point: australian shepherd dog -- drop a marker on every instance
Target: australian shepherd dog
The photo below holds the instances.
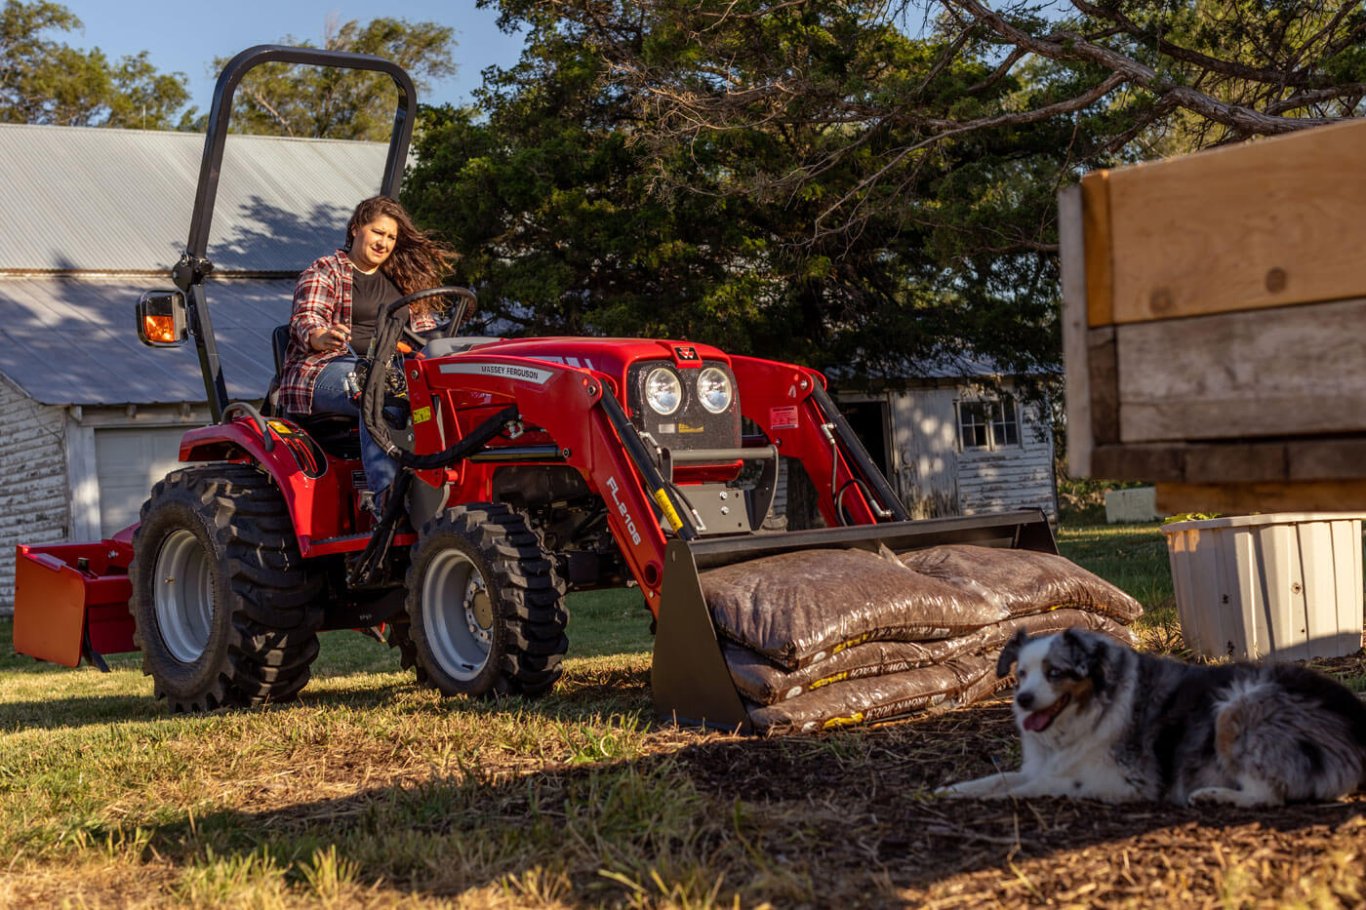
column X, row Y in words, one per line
column 1099, row 720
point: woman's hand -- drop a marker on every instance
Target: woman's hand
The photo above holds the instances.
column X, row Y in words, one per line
column 334, row 337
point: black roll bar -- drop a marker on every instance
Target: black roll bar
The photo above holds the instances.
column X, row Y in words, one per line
column 189, row 273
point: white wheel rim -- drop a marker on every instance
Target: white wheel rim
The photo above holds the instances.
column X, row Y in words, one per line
column 457, row 615
column 182, row 596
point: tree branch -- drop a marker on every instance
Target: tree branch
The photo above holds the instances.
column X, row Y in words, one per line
column 1068, row 46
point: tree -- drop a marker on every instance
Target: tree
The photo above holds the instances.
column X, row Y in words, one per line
column 865, row 185
column 321, row 102
column 1149, row 78
column 580, row 199
column 44, row 81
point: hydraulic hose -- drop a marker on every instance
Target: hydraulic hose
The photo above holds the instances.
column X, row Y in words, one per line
column 387, row 334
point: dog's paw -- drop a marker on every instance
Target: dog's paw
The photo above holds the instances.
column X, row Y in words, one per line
column 980, row 788
column 1231, row 796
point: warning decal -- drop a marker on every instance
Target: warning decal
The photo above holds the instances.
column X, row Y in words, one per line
column 784, row 418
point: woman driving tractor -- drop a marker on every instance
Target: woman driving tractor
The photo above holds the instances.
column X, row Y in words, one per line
column 337, row 304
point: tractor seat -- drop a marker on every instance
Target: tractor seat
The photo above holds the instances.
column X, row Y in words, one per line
column 338, row 434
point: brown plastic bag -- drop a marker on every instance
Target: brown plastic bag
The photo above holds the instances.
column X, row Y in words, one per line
column 764, row 683
column 1023, row 581
column 798, row 608
column 935, row 688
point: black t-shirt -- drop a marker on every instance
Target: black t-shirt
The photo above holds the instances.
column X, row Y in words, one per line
column 369, row 295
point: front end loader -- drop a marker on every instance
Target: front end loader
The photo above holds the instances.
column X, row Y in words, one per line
column 532, row 468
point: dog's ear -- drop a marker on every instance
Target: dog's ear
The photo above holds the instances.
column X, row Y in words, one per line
column 1087, row 652
column 1076, row 642
column 1011, row 653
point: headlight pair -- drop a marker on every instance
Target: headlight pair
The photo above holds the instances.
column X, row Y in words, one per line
column 664, row 390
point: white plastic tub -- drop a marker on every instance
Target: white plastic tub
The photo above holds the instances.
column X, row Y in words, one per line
column 1286, row 585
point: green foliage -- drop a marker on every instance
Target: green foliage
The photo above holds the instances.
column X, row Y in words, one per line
column 1190, row 516
column 822, row 180
column 581, row 209
column 46, row 82
column 310, row 101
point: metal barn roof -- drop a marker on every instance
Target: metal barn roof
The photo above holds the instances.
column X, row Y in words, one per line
column 110, row 200
column 68, row 340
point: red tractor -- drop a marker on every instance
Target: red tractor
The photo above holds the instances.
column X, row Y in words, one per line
column 532, row 467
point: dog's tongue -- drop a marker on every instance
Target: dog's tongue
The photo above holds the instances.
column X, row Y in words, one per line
column 1039, row 720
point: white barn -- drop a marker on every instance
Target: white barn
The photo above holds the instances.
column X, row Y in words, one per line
column 959, row 441
column 91, row 418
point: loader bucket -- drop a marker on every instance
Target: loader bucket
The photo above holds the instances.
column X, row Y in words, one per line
column 71, row 600
column 690, row 680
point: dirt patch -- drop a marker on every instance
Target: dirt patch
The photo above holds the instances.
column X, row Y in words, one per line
column 921, row 851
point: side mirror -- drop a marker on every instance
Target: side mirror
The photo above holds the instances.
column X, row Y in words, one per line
column 161, row 319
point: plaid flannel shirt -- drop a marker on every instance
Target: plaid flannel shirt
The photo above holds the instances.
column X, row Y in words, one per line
column 322, row 297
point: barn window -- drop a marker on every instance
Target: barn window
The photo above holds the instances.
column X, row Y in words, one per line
column 1005, row 422
column 974, row 425
column 989, row 424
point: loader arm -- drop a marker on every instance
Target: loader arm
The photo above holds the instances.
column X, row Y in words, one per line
column 792, row 407
column 574, row 407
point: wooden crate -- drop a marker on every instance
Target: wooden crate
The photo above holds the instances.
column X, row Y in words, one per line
column 1214, row 324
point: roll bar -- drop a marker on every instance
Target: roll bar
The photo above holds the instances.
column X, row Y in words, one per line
column 189, row 273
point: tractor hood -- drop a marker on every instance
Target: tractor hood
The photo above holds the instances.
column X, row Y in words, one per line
column 612, row 356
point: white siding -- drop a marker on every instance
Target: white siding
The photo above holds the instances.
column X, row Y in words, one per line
column 935, row 477
column 925, row 436
column 129, row 460
column 33, row 498
column 1010, row 477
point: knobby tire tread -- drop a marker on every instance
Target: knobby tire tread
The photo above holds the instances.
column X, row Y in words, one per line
column 533, row 614
column 274, row 611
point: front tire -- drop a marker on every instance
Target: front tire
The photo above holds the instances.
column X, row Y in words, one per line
column 485, row 605
column 225, row 613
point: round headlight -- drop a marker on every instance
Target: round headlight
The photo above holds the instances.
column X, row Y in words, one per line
column 663, row 391
column 714, row 390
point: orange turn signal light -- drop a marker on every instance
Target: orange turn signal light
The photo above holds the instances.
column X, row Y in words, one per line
column 160, row 328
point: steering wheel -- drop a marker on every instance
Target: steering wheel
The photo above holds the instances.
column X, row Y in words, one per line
column 462, row 306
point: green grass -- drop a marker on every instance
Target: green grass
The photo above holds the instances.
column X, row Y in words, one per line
column 1132, row 557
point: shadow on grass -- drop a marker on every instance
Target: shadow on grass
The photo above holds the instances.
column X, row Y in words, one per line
column 831, row 820
column 588, row 691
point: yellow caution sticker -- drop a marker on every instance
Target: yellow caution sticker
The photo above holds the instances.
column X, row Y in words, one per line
column 847, row 721
column 857, row 640
column 422, row 415
column 667, row 507
column 282, row 428
column 838, row 677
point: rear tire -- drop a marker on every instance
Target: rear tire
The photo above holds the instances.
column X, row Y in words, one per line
column 226, row 615
column 486, row 613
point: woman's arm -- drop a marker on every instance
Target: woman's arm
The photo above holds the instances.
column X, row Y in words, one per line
column 313, row 322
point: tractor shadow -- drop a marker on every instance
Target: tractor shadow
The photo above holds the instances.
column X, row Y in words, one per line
column 586, row 693
column 836, row 820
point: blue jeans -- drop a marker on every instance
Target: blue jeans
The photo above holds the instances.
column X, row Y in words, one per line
column 331, row 397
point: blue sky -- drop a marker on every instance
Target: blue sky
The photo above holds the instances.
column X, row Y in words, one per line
column 186, row 35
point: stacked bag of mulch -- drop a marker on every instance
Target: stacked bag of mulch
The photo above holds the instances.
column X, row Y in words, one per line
column 826, row 638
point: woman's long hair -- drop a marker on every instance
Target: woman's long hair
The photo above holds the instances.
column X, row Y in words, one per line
column 418, row 261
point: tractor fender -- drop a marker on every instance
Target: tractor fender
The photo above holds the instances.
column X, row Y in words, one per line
column 314, row 491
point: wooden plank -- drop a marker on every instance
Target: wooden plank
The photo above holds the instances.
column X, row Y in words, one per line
column 1263, row 373
column 1102, row 361
column 1263, row 224
column 1274, row 461
column 1307, row 496
column 1078, row 396
column 1145, row 463
column 1326, row 459
column 1098, row 248
column 1249, row 463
